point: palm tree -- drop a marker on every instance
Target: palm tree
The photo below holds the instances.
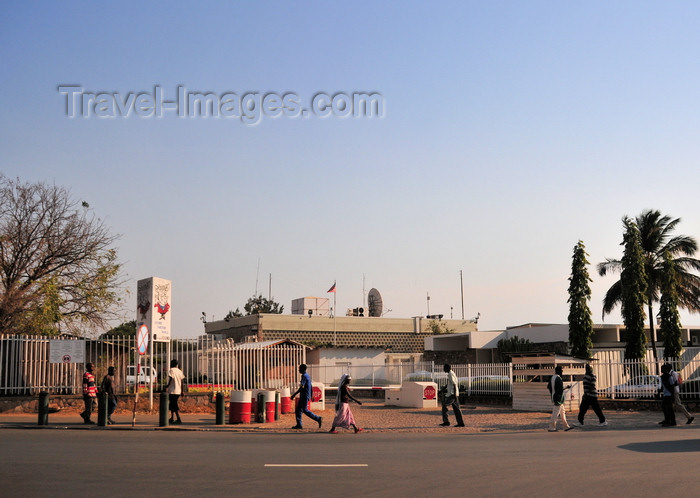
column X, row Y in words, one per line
column 656, row 238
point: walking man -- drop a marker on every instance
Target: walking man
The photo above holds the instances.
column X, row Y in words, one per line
column 89, row 393
column 667, row 388
column 304, row 393
column 590, row 398
column 556, row 389
column 175, row 388
column 677, row 405
column 108, row 387
column 450, row 397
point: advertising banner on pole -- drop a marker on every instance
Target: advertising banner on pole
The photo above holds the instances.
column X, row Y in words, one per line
column 153, row 298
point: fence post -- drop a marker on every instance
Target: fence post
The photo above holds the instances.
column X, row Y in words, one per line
column 612, row 382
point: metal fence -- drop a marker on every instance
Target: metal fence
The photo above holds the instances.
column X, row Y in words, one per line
column 474, row 379
column 208, row 364
column 641, row 379
column 212, row 365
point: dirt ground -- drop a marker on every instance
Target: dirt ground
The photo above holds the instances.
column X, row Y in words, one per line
column 374, row 416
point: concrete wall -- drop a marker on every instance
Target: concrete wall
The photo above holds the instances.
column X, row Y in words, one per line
column 399, row 335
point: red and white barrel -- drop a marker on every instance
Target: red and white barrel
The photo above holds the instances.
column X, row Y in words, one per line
column 269, row 400
column 239, row 410
column 286, row 400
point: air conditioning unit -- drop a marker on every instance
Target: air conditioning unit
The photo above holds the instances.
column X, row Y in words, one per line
column 695, row 340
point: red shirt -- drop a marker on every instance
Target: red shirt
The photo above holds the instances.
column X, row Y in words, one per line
column 89, row 386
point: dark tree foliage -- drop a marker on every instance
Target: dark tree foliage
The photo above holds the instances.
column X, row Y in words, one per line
column 126, row 329
column 580, row 320
column 633, row 283
column 670, row 326
column 513, row 344
column 656, row 236
column 259, row 304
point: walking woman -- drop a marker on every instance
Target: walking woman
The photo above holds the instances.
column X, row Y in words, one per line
column 343, row 415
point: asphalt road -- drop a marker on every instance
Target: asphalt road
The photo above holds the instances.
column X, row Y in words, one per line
column 655, row 462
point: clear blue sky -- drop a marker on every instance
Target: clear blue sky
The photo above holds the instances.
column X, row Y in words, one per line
column 510, row 131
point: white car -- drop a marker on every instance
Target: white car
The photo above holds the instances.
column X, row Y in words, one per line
column 143, row 376
column 642, row 386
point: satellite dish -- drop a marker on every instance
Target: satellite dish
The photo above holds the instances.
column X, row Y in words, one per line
column 374, row 302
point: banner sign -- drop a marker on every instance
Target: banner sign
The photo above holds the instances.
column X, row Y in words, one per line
column 62, row 351
column 153, row 298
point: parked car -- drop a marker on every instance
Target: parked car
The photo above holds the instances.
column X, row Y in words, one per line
column 690, row 388
column 642, row 386
column 143, row 376
column 425, row 376
column 490, row 383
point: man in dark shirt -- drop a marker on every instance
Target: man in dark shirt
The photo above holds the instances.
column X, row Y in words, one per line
column 590, row 398
column 108, row 387
column 304, row 393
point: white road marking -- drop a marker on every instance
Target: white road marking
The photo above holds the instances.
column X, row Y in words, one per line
column 316, row 465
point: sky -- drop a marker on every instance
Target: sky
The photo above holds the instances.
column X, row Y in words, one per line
column 508, row 132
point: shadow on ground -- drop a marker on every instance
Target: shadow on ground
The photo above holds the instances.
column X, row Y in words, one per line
column 683, row 446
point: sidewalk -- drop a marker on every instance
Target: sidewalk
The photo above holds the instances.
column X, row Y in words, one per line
column 372, row 416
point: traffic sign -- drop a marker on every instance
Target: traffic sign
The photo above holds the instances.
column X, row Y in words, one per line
column 142, row 339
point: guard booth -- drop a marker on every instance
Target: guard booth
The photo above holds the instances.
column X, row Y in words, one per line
column 531, row 374
column 413, row 395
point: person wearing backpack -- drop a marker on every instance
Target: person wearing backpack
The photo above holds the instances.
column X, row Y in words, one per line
column 677, row 405
column 667, row 387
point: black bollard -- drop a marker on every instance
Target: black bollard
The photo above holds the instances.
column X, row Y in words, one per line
column 220, row 409
column 163, row 413
column 260, row 415
column 43, row 408
column 102, row 409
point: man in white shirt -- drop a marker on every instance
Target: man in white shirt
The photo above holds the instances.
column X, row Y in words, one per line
column 451, row 398
column 174, row 388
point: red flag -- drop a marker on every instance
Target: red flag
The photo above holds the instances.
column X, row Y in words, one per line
column 332, row 289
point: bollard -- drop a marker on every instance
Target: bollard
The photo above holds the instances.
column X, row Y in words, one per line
column 102, row 409
column 260, row 411
column 43, row 408
column 220, row 409
column 277, row 405
column 163, row 410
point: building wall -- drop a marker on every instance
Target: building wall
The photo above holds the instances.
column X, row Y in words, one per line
column 398, row 335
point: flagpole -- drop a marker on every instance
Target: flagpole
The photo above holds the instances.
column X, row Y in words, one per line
column 335, row 313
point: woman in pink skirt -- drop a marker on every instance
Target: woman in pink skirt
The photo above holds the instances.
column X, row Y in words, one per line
column 343, row 415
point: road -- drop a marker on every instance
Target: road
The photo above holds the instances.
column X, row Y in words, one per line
column 655, row 462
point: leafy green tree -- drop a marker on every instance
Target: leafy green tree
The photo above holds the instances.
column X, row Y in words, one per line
column 233, row 314
column 670, row 325
column 633, row 282
column 513, row 344
column 656, row 238
column 580, row 321
column 58, row 271
column 437, row 327
column 259, row 304
column 126, row 329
